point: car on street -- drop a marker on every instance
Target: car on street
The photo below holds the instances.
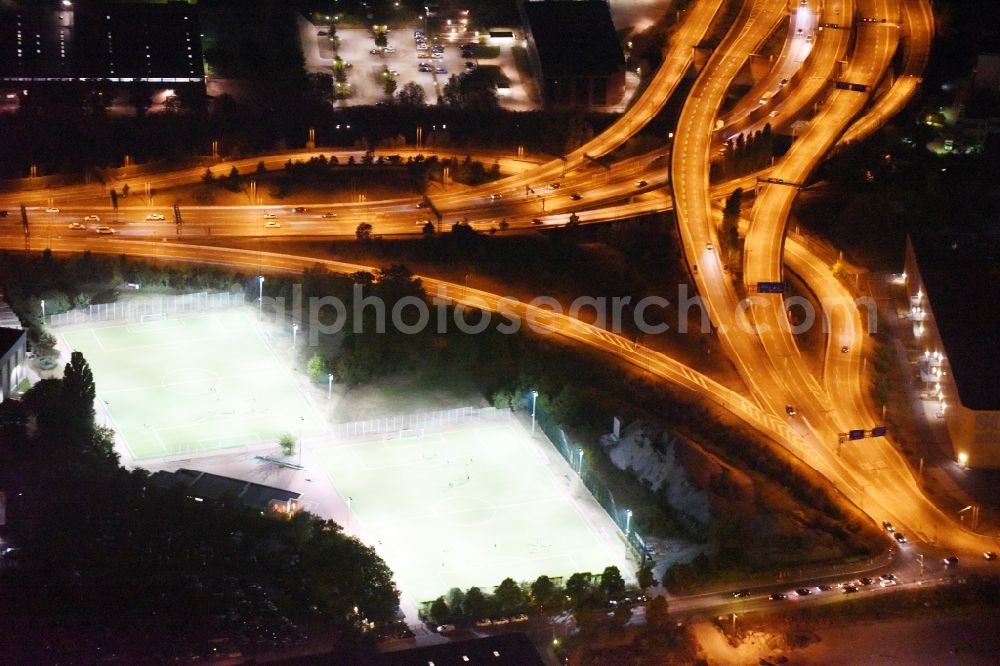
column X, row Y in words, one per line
column 777, row 596
column 329, row 215
column 825, row 587
column 554, row 186
column 950, row 561
column 51, row 209
column 866, row 581
column 741, row 594
column 641, row 183
column 300, row 209
column 989, row 555
column 269, row 216
column 105, row 230
column 91, row 218
column 888, row 526
column 496, row 196
column 790, row 410
column 887, row 582
column 803, row 591
column 271, row 224
column 850, row 589
column 888, row 576
column 900, row 537
column 155, row 217
column 576, row 196
column 844, row 349
column 708, row 246
column 76, row 225
column 445, row 628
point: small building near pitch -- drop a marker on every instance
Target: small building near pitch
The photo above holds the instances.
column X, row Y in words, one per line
column 953, row 287
column 205, row 486
column 574, row 51
column 13, row 351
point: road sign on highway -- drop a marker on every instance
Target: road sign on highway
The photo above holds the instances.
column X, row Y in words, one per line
column 771, row 287
column 878, row 431
column 856, row 434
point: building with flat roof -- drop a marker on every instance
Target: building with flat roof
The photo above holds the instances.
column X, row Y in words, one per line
column 202, row 486
column 953, row 285
column 13, row 351
column 574, row 51
column 92, row 40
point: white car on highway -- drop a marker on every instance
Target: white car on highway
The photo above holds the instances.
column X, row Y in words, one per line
column 51, row 209
column 271, row 224
column 155, row 217
column 105, row 230
column 76, row 225
column 269, row 216
column 91, row 218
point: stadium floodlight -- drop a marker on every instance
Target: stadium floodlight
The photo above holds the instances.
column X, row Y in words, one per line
column 295, row 334
column 628, row 521
column 260, row 306
column 43, row 310
column 329, row 386
column 534, row 398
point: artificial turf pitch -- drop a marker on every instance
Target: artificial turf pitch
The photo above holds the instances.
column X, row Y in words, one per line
column 191, row 384
column 468, row 506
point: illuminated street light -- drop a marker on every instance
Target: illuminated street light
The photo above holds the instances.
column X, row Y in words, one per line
column 260, row 304
column 329, row 386
column 534, row 398
column 295, row 334
column 963, row 458
column 628, row 522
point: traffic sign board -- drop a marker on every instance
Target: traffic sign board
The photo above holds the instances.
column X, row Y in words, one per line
column 771, row 287
column 856, row 434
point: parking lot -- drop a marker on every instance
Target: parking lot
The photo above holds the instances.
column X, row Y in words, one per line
column 401, row 57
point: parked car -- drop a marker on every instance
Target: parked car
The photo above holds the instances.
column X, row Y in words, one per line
column 155, row 217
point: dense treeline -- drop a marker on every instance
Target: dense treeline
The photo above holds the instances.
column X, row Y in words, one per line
column 104, row 563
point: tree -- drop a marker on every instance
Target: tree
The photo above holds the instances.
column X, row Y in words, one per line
column 543, row 591
column 475, row 606
column 411, row 94
column 364, row 232
column 207, row 177
column 389, row 86
column 428, row 228
column 439, row 611
column 612, row 584
column 578, row 589
column 261, row 168
column 381, row 39
column 114, row 199
column 645, row 577
column 78, row 390
column 318, row 368
column 509, row 597
column 287, row 443
column 473, row 90
column 657, row 613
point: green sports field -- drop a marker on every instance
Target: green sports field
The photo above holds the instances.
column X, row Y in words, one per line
column 193, row 383
column 469, row 506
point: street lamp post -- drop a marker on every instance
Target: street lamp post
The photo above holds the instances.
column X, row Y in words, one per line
column 534, row 398
column 260, row 299
column 329, row 386
column 628, row 522
column 43, row 310
column 295, row 334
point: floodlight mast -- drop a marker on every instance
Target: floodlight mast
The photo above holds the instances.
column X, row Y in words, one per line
column 534, row 398
column 260, row 300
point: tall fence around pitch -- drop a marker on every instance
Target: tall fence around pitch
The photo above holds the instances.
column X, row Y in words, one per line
column 139, row 308
column 447, row 417
column 598, row 489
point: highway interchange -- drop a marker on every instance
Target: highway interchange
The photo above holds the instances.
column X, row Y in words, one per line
column 851, row 41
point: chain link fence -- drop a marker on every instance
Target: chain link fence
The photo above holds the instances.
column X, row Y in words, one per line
column 146, row 308
column 400, row 422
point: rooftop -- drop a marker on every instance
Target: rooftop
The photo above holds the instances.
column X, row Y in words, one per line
column 214, row 487
column 961, row 273
column 9, row 338
column 574, row 37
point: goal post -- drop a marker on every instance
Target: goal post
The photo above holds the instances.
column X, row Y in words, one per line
column 156, row 316
column 405, row 433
